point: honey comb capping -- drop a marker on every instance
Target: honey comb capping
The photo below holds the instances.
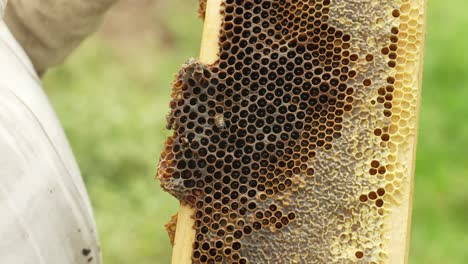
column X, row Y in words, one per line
column 297, row 144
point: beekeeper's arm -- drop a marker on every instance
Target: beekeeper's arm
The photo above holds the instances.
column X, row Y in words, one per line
column 45, row 213
column 48, row 30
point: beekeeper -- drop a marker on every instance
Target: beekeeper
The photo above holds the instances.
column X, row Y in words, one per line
column 45, row 213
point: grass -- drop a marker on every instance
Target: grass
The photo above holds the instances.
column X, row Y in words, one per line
column 113, row 107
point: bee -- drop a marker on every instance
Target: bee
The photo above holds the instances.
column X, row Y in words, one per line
column 219, row 121
column 169, row 122
column 175, row 187
column 184, row 141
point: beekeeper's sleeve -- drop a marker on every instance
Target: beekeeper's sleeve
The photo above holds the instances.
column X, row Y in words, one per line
column 45, row 212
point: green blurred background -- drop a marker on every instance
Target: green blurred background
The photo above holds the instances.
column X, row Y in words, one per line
column 112, row 96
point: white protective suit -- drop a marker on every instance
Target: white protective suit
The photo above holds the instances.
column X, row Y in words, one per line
column 45, row 213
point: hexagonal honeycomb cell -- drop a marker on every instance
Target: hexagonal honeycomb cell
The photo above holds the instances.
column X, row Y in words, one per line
column 297, row 144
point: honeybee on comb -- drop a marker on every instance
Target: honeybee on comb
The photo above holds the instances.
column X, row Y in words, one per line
column 219, row 121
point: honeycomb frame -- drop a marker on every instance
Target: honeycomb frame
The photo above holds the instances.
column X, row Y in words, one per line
column 297, row 144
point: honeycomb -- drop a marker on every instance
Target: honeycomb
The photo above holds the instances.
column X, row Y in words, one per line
column 201, row 8
column 297, row 144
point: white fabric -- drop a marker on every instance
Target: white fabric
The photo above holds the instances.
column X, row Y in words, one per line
column 45, row 213
column 49, row 30
column 2, row 7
